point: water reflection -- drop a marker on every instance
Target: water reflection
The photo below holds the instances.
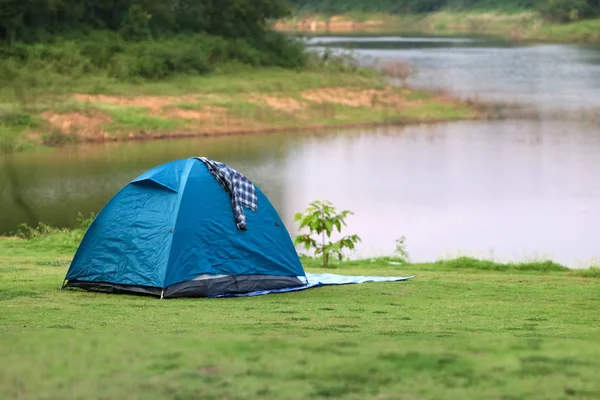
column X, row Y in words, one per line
column 513, row 189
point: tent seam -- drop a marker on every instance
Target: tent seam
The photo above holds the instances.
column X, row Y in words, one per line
column 182, row 185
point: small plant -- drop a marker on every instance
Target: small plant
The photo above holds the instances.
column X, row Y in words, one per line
column 85, row 222
column 401, row 251
column 321, row 218
column 25, row 231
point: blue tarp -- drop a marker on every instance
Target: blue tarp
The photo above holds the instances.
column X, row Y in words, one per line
column 316, row 280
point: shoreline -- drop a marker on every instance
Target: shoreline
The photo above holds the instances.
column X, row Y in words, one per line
column 267, row 131
column 259, row 102
column 44, row 239
column 458, row 263
column 523, row 27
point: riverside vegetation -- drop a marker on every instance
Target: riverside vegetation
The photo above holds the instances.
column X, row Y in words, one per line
column 119, row 70
column 534, row 20
column 461, row 328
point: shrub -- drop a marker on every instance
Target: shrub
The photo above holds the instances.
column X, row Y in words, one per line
column 84, row 222
column 136, row 25
column 565, row 10
column 58, row 138
column 16, row 119
column 25, row 231
column 473, row 263
column 401, row 251
column 28, row 232
column 64, row 57
column 321, row 218
column 592, row 272
column 107, row 53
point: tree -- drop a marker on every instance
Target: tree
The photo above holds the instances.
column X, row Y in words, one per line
column 11, row 18
column 32, row 20
column 136, row 25
column 566, row 10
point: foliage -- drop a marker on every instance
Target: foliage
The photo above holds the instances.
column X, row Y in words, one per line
column 84, row 222
column 322, row 219
column 106, row 53
column 13, row 125
column 25, row 231
column 554, row 10
column 401, row 252
column 131, row 39
column 567, row 10
column 41, row 19
column 136, row 24
column 472, row 263
column 16, row 119
column 587, row 31
column 406, row 6
column 592, row 272
column 57, row 138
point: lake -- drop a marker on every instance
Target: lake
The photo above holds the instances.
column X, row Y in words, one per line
column 510, row 190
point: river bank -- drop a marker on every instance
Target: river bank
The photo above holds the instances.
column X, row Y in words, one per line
column 523, row 26
column 450, row 332
column 252, row 101
column 445, row 178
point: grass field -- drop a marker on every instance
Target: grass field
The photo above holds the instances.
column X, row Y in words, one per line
column 459, row 329
column 247, row 101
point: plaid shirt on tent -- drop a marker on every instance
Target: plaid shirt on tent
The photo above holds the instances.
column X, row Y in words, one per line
column 240, row 189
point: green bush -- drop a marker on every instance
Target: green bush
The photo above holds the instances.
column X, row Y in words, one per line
column 28, row 232
column 25, row 231
column 565, row 10
column 84, row 222
column 107, row 53
column 37, row 21
column 136, row 25
column 16, row 119
column 406, row 6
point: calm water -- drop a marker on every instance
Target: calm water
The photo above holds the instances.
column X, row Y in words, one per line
column 549, row 76
column 511, row 190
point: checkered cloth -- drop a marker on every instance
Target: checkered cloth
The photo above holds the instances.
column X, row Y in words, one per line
column 240, row 189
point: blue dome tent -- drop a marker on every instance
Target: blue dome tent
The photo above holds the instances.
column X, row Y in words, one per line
column 174, row 232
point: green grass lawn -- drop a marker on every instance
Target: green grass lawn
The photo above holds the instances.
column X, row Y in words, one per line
column 454, row 333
